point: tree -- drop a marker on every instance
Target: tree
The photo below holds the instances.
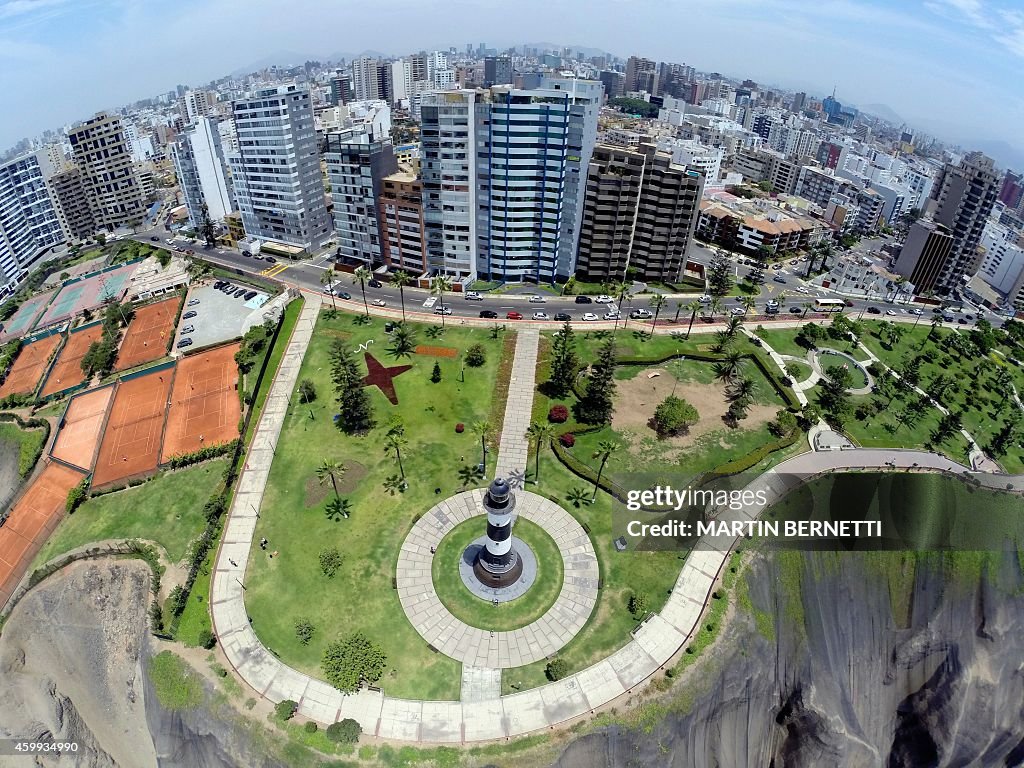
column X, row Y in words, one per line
column 622, row 294
column 352, row 661
column 346, row 731
column 638, row 604
column 286, row 709
column 834, row 398
column 541, row 432
column 482, row 429
column 476, row 356
column 206, row 228
column 597, row 404
column 356, row 412
column 435, row 375
column 729, row 367
column 749, row 303
column 403, row 341
column 331, row 470
column 692, row 308
column 719, row 275
column 949, row 425
column 362, row 275
column 327, row 278
column 673, row 415
column 564, row 361
column 657, row 303
column 577, row 496
column 394, row 443
column 304, row 630
column 741, row 388
column 338, row 508
column 438, row 286
column 307, row 390
column 605, row 449
column 330, row 561
column 399, row 280
column 556, row 669
column 197, row 269
column 784, row 424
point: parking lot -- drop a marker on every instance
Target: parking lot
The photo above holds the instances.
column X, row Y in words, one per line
column 219, row 316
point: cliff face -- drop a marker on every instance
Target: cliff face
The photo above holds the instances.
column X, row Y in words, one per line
column 843, row 681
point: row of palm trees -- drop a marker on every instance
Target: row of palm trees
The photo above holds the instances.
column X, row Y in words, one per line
column 400, row 279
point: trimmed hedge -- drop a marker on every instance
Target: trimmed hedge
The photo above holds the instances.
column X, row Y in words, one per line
column 203, row 454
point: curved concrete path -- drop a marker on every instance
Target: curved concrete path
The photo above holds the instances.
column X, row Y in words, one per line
column 481, row 647
column 653, row 646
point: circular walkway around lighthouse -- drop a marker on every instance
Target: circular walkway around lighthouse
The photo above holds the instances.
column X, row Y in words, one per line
column 481, row 647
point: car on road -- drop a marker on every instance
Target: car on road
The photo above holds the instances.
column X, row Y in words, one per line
column 969, row 317
column 641, row 314
column 250, row 295
column 489, row 314
column 193, row 302
column 184, row 343
column 514, row 316
column 705, row 299
column 916, row 311
column 374, row 284
column 738, row 311
column 442, row 309
column 612, row 316
column 155, row 239
column 584, row 300
column 848, row 303
column 588, row 316
column 779, row 279
column 777, row 266
column 187, row 330
column 541, row 316
column 537, row 299
column 962, row 321
column 271, row 260
column 603, row 299
column 563, row 316
column 379, row 303
column 795, row 311
column 189, row 315
column 343, row 295
column 874, row 311
column 473, row 296
column 891, row 312
column 803, row 289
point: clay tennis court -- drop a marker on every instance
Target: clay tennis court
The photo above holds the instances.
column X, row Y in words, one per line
column 29, row 366
column 67, row 371
column 147, row 334
column 31, row 521
column 80, row 433
column 131, row 441
column 204, row 402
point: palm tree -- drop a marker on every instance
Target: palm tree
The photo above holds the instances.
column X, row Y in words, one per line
column 438, row 286
column 733, row 326
column 327, row 278
column 399, row 280
column 362, row 274
column 657, row 303
column 331, row 470
column 393, row 443
column 714, row 307
column 539, row 431
column 742, row 389
column 577, row 496
column 605, row 449
column 807, row 307
column 900, row 282
column 482, row 429
column 622, row 293
column 748, row 302
column 338, row 507
column 729, row 367
column 692, row 307
column 403, row 342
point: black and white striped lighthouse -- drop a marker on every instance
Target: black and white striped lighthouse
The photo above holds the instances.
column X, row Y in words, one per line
column 498, row 564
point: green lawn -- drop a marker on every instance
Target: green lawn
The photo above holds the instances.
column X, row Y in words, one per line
column 26, row 442
column 782, row 340
column 798, row 371
column 506, row 616
column 361, row 596
column 167, row 509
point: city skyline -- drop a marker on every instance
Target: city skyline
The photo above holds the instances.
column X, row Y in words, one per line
column 88, row 56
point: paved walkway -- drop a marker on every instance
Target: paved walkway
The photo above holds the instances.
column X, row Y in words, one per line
column 482, row 647
column 514, row 446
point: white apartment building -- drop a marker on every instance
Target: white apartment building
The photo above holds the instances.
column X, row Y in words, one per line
column 30, row 223
column 704, row 159
column 200, row 162
column 195, row 104
column 1003, row 264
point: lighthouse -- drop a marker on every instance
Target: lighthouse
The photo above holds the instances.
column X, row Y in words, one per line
column 498, row 564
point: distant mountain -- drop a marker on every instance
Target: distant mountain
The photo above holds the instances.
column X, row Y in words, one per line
column 1005, row 155
column 280, row 59
column 884, row 112
column 352, row 56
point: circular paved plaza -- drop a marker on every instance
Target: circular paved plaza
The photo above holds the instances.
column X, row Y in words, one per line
column 481, row 647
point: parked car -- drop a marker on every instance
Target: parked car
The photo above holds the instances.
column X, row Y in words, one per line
column 489, row 314
column 795, row 311
column 189, row 315
column 738, row 311
column 187, row 329
column 240, row 293
column 962, row 321
column 779, row 279
column 193, row 302
column 250, row 295
column 602, row 299
column 514, row 316
column 777, row 266
column 641, row 314
column 379, row 303
column 536, row 299
column 891, row 312
column 563, row 316
column 612, row 316
column 219, row 284
column 473, row 296
column 442, row 309
column 184, row 343
column 541, row 316
column 916, row 311
column 584, row 300
column 874, row 311
column 589, row 316
column 374, row 284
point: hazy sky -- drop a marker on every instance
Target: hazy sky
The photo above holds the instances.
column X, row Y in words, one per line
column 951, row 66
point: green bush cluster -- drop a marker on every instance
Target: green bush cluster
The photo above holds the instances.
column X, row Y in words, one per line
column 203, row 454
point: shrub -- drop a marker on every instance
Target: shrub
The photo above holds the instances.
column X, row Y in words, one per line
column 556, row 669
column 307, row 390
column 568, row 439
column 156, row 617
column 673, row 415
column 177, row 600
column 330, row 561
column 638, row 605
column 435, row 375
column 352, row 661
column 475, row 356
column 304, row 630
column 286, row 709
column 558, row 414
column 460, row 427
column 310, row 726
column 75, row 497
column 784, row 423
column 207, row 639
column 345, row 731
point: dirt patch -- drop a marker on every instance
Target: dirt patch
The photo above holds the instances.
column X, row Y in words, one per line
column 637, row 398
column 317, row 492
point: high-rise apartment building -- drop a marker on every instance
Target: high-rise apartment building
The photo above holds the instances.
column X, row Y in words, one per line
column 402, row 236
column 341, row 89
column 925, row 254
column 200, row 162
column 614, row 84
column 29, row 220
column 356, row 164
column 276, row 171
column 497, row 70
column 195, row 104
column 641, row 75
column 367, row 80
column 964, row 197
column 1012, row 190
column 641, row 211
column 72, row 201
column 102, row 153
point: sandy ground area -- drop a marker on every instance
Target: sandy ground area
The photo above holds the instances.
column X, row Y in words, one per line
column 637, row 398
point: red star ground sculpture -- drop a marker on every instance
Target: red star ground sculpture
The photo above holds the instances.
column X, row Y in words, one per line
column 382, row 377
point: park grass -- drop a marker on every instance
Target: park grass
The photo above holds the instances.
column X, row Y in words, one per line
column 28, row 442
column 361, row 596
column 479, row 613
column 167, row 509
column 782, row 340
column 176, row 684
column 800, row 371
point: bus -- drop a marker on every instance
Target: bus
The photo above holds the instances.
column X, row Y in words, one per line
column 829, row 305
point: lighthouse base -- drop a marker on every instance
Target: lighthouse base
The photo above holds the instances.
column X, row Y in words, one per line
column 500, row 587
